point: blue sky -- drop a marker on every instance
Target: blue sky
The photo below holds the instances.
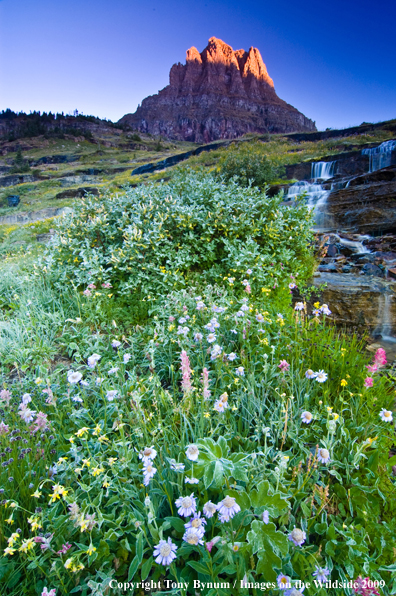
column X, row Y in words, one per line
column 332, row 61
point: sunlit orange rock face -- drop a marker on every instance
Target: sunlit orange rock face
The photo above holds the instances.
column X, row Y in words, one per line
column 218, row 94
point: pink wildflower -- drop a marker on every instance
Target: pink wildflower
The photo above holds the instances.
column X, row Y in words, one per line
column 4, row 428
column 364, row 587
column 186, row 372
column 368, row 382
column 372, row 368
column 284, row 366
column 209, row 546
column 45, row 592
column 5, row 396
column 171, row 319
column 380, row 357
column 248, row 289
column 107, row 285
column 87, row 292
column 50, row 399
column 64, row 549
column 92, row 286
column 41, row 422
column 205, row 382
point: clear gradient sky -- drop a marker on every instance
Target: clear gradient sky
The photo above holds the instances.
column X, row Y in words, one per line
column 334, row 61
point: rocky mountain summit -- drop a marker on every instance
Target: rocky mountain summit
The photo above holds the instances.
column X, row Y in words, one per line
column 218, row 94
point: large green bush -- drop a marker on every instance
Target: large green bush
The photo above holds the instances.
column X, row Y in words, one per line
column 248, row 165
column 156, row 238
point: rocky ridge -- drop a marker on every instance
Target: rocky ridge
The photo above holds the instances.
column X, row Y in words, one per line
column 218, row 94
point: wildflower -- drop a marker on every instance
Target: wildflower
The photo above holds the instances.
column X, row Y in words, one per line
column 192, row 536
column 148, row 471
column 265, row 516
column 26, row 398
column 64, row 549
column 182, row 320
column 323, row 456
column 205, row 382
column 186, row 372
column 147, row 455
column 87, row 292
column 115, row 343
column 245, row 307
column 299, row 306
column 292, row 285
column 34, row 523
column 209, row 509
column 297, row 536
column 216, row 351
column 37, row 494
column 188, row 480
column 165, row 552
column 380, row 357
column 211, row 338
column 192, row 452
column 74, row 377
column 321, row 573
column 198, row 523
column 5, row 396
column 368, row 382
column 91, row 550
column 38, row 381
column 111, row 395
column 240, row 371
column 283, row 582
column 306, row 417
column 126, row 358
column 183, row 331
column 372, row 368
column 310, row 374
column 25, row 413
column 114, row 370
column 13, row 538
column 198, row 337
column 386, row 415
column 227, row 508
column 220, row 406
column 234, row 331
column 77, row 398
column 175, row 466
column 361, row 586
column 231, row 356
column 9, row 551
column 98, row 381
column 93, row 360
column 107, row 285
column 82, row 431
column 324, row 309
column 4, row 428
column 26, row 545
column 186, row 505
column 200, row 305
column 321, row 376
column 284, row 366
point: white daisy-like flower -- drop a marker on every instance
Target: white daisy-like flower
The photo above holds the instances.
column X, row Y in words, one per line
column 219, row 309
column 99, row 380
column 306, row 417
column 26, row 414
column 234, row 331
column 192, row 536
column 182, row 320
column 283, row 581
column 189, row 480
column 323, row 456
column 148, row 454
column 126, row 358
column 216, row 351
column 74, row 377
column 227, row 508
column 259, row 318
column 240, row 313
column 183, row 331
column 249, row 272
column 175, row 466
column 231, row 356
column 324, row 309
column 244, row 307
column 279, row 315
column 113, row 370
column 215, row 323
column 26, row 398
column 84, row 383
column 265, row 517
column 292, row 285
column 209, row 509
column 198, row 523
column 240, row 371
column 200, row 305
column 93, row 360
column 321, row 376
column 220, row 405
column 299, row 306
column 111, row 395
column 192, row 452
column 165, row 552
column 297, row 536
column 77, row 399
column 386, row 415
column 115, row 343
column 148, row 472
column 211, row 338
column 310, row 374
column 186, row 505
column 198, row 337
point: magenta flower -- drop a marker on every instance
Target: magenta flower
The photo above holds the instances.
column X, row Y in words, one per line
column 186, row 372
column 87, row 292
column 284, row 366
column 361, row 586
column 45, row 592
column 64, row 549
column 380, row 357
column 372, row 368
column 41, row 422
column 368, row 382
column 4, row 428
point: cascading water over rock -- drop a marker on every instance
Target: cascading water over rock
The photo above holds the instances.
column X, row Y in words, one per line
column 380, row 156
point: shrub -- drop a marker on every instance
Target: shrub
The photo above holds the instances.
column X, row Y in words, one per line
column 152, row 239
column 249, row 166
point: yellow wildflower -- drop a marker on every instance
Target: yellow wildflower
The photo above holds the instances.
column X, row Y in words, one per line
column 82, row 431
column 207, row 415
column 112, row 460
column 9, row 520
column 9, row 551
column 26, row 545
column 86, row 462
column 97, row 471
column 97, row 430
column 344, row 383
column 34, row 522
column 90, row 550
column 335, row 416
column 317, row 304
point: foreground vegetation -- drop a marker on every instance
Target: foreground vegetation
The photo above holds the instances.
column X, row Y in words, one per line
column 170, row 414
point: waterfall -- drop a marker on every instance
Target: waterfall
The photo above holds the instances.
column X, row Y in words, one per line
column 322, row 170
column 384, row 327
column 356, row 245
column 380, row 156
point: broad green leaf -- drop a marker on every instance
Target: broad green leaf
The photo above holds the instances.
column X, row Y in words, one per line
column 199, row 567
column 268, row 561
column 146, row 568
column 264, row 497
